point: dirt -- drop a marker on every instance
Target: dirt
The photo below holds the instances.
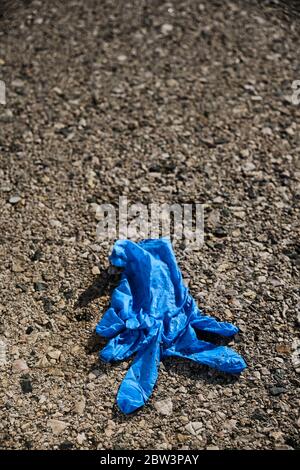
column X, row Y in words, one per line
column 175, row 101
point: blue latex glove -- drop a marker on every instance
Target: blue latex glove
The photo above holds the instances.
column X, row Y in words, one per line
column 153, row 315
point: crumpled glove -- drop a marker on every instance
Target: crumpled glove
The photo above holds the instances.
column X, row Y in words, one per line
column 153, row 315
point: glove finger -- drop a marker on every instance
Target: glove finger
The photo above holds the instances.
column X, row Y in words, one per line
column 218, row 357
column 140, row 379
column 122, row 346
column 209, row 324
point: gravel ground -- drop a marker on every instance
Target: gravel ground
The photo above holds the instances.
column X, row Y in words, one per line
column 173, row 101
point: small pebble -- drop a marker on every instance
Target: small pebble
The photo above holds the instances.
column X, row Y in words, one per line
column 194, row 427
column 14, row 199
column 164, row 407
column 57, row 426
column 19, row 365
column 40, row 286
column 276, row 391
column 95, row 270
column 166, row 28
column 81, row 438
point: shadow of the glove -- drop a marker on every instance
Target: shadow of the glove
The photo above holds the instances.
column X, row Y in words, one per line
column 103, row 285
column 213, row 338
column 198, row 372
column 99, row 287
column 95, row 343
